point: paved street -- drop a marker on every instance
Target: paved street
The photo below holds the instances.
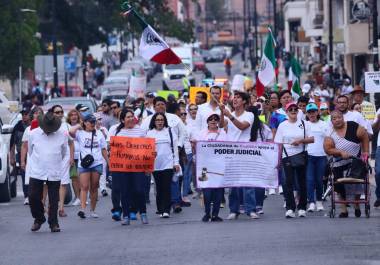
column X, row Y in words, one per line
column 184, row 239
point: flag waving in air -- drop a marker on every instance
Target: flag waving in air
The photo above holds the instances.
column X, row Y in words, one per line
column 294, row 77
column 152, row 46
column 267, row 67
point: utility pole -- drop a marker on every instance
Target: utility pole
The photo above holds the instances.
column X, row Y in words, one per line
column 331, row 39
column 55, row 51
column 375, row 49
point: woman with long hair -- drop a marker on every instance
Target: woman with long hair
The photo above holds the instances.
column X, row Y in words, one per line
column 131, row 185
column 73, row 119
column 92, row 148
column 166, row 163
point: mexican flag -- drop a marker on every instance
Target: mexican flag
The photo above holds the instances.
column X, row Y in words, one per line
column 294, row 77
column 152, row 46
column 267, row 67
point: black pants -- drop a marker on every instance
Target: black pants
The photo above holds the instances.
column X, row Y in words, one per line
column 215, row 196
column 36, row 187
column 163, row 179
column 116, row 193
column 290, row 174
column 132, row 187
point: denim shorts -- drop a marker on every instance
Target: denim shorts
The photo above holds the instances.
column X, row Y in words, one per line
column 98, row 168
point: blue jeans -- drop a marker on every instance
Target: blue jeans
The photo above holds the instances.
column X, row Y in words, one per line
column 249, row 199
column 214, row 196
column 187, row 175
column 377, row 173
column 260, row 195
column 316, row 166
column 175, row 192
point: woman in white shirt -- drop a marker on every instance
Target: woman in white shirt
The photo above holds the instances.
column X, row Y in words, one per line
column 317, row 160
column 166, row 163
column 293, row 134
column 91, row 144
column 131, row 185
column 212, row 195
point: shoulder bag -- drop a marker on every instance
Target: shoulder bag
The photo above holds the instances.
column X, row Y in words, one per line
column 88, row 159
column 298, row 160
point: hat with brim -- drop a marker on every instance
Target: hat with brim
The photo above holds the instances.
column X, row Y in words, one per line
column 213, row 115
column 311, row 107
column 357, row 89
column 291, row 104
column 49, row 123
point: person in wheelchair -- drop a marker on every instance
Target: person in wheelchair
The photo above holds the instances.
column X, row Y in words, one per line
column 346, row 140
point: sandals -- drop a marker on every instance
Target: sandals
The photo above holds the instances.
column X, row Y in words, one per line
column 62, row 213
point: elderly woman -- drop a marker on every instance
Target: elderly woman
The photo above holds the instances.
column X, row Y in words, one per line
column 346, row 140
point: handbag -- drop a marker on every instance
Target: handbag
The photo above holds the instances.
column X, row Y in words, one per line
column 358, row 169
column 88, row 159
column 297, row 160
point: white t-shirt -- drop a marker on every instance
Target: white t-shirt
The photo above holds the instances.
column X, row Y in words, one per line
column 319, row 130
column 99, row 143
column 206, row 135
column 25, row 138
column 204, row 111
column 356, row 117
column 289, row 132
column 133, row 132
column 164, row 159
column 234, row 133
column 46, row 154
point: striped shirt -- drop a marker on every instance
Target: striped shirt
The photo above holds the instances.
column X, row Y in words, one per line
column 134, row 132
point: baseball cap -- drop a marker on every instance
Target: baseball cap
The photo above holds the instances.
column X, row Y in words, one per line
column 311, row 106
column 81, row 107
column 324, row 106
column 149, row 95
column 89, row 117
column 290, row 104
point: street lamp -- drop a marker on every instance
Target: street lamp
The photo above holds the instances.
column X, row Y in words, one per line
column 22, row 10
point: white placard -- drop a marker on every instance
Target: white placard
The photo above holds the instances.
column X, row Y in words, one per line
column 236, row 164
column 372, row 82
column 238, row 83
column 137, row 86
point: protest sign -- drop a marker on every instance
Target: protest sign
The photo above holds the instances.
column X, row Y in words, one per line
column 368, row 110
column 236, row 164
column 137, row 86
column 130, row 154
column 166, row 93
column 238, row 83
column 372, row 82
column 194, row 90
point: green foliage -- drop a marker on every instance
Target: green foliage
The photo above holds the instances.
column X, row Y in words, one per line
column 215, row 10
column 17, row 30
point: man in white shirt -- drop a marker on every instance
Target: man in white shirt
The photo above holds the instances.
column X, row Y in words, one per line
column 47, row 146
column 238, row 124
column 206, row 109
column 342, row 105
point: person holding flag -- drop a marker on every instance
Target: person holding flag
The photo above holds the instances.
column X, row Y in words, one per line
column 294, row 78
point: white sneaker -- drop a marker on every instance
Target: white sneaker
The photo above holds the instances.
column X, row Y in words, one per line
column 280, row 190
column 290, row 214
column 320, row 206
column 301, row 213
column 165, row 215
column 284, row 205
column 272, row 192
column 232, row 216
column 76, row 202
column 260, row 211
column 94, row 214
column 311, row 207
column 253, row 215
column 26, row 201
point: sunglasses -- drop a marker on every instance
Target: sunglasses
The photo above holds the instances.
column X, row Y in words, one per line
column 183, row 114
column 114, row 107
column 58, row 112
column 194, row 109
column 213, row 119
column 293, row 109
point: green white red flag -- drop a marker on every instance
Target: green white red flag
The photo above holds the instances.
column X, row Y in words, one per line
column 294, row 77
column 267, row 67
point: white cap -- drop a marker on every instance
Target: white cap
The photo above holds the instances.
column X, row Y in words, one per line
column 306, row 88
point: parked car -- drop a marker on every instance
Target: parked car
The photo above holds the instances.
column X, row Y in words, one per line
column 7, row 107
column 115, row 95
column 135, row 68
column 120, row 73
column 149, row 67
column 198, row 63
column 217, row 54
column 70, row 103
column 8, row 184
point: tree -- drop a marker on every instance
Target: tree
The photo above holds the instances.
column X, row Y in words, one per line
column 18, row 42
column 215, row 10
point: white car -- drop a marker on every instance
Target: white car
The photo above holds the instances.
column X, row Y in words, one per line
column 8, row 185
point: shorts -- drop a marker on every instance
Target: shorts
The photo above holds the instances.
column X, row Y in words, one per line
column 98, row 169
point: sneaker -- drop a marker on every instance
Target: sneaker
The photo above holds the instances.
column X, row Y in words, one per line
column 133, row 216
column 144, row 219
column 311, row 207
column 26, row 201
column 76, row 202
column 185, row 204
column 94, row 214
column 260, row 211
column 222, row 205
column 362, row 197
column 320, row 206
column 280, row 190
column 377, row 203
column 284, row 205
column 177, row 208
column 81, row 214
column 232, row 216
column 206, row 218
column 290, row 214
column 216, row 219
column 125, row 221
column 241, row 209
column 165, row 215
column 116, row 215
column 301, row 213
column 104, row 193
column 272, row 192
column 253, row 215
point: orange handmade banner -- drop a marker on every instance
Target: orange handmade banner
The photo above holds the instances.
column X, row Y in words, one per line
column 130, row 154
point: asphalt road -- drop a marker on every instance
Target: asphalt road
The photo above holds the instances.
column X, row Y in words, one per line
column 184, row 239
